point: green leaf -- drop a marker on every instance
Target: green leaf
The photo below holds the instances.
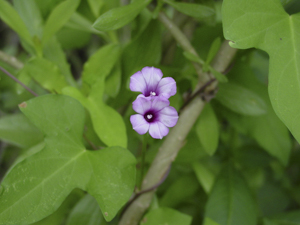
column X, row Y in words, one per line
column 118, row 17
column 230, row 201
column 113, row 82
column 145, row 50
column 269, row 132
column 46, row 74
column 194, row 10
column 58, row 17
column 207, row 128
column 37, row 186
column 9, row 15
column 99, row 65
column 219, row 76
column 31, row 15
column 54, row 53
column 174, row 194
column 107, row 122
column 95, row 6
column 208, row 221
column 288, row 218
column 86, row 212
column 240, row 99
column 214, row 48
column 266, row 25
column 59, row 216
column 204, row 175
column 192, row 57
column 162, row 216
column 18, row 130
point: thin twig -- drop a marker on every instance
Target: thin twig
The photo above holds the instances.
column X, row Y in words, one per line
column 10, row 60
column 18, row 81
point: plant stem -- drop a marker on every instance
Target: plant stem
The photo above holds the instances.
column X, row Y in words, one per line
column 18, row 81
column 172, row 144
column 144, row 148
column 10, row 60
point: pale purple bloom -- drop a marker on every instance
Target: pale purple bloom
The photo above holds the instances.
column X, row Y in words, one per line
column 155, row 115
column 149, row 82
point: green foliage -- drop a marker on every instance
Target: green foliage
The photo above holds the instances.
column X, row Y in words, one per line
column 118, row 17
column 274, row 31
column 162, row 216
column 67, row 159
column 230, row 201
column 42, row 181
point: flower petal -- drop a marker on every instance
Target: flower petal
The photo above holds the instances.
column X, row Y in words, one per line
column 166, row 87
column 139, row 124
column 152, row 77
column 158, row 103
column 158, row 130
column 168, row 116
column 138, row 83
column 142, row 105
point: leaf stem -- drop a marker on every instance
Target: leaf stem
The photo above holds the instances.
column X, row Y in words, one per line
column 18, row 81
column 144, row 148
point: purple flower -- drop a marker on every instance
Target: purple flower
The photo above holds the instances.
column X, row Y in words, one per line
column 155, row 115
column 149, row 81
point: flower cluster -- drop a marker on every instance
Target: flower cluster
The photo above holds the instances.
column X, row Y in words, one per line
column 154, row 113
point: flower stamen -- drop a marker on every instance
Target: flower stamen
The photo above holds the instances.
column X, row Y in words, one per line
column 152, row 93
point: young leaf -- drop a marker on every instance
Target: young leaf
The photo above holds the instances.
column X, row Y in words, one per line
column 214, row 48
column 118, row 17
column 204, row 175
column 95, row 6
column 31, row 15
column 46, row 74
column 166, row 216
column 18, row 130
column 37, row 186
column 107, row 122
column 194, row 10
column 58, row 17
column 86, row 212
column 207, row 128
column 99, row 65
column 9, row 15
column 54, row 53
column 266, row 25
column 230, row 201
column 240, row 99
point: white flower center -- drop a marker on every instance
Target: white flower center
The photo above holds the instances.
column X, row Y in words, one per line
column 149, row 116
column 152, row 93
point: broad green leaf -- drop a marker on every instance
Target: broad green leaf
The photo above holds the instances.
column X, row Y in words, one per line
column 99, row 65
column 18, row 130
column 118, row 17
column 204, row 175
column 58, row 17
column 46, row 74
column 86, row 212
column 230, row 201
column 207, row 128
column 240, row 99
column 59, row 216
column 194, row 10
column 31, row 15
column 54, row 53
column 265, row 25
column 37, row 186
column 9, row 15
column 162, row 216
column 107, row 122
column 174, row 195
